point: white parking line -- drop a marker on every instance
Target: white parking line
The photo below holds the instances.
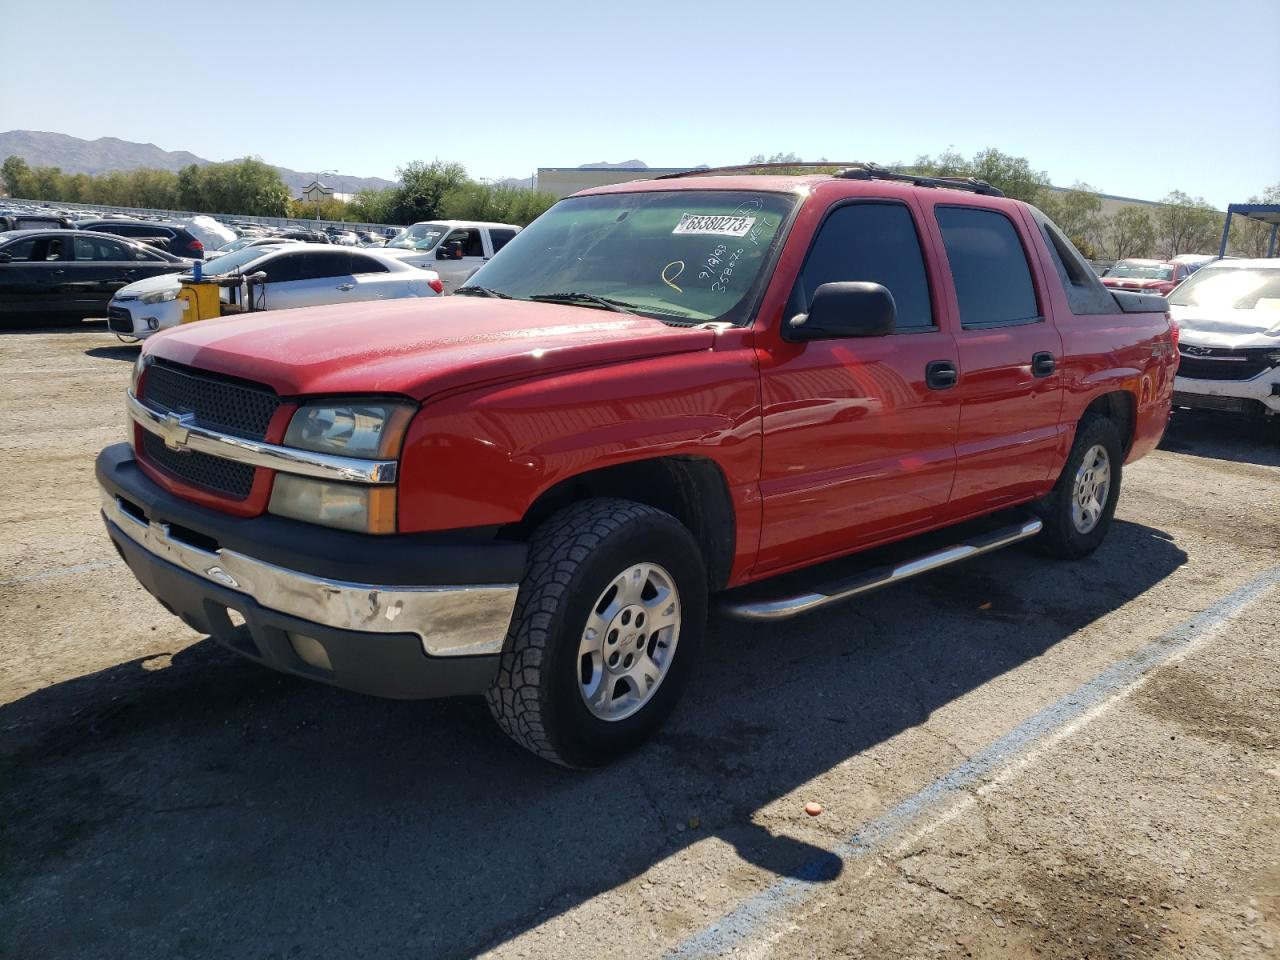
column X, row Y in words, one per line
column 995, row 764
column 62, row 572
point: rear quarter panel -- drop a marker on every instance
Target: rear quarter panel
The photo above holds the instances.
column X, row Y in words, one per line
column 1104, row 353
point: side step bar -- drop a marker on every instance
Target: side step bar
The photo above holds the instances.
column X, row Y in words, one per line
column 785, row 608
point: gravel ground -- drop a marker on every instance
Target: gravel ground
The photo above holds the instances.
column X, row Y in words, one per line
column 161, row 798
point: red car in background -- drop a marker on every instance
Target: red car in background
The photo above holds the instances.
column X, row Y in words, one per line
column 1146, row 276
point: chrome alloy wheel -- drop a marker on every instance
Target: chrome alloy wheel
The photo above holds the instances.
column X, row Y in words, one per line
column 629, row 641
column 1091, row 489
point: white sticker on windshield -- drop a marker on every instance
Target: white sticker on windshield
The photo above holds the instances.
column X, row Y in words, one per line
column 719, row 226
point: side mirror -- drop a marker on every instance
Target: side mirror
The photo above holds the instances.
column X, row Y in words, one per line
column 846, row 309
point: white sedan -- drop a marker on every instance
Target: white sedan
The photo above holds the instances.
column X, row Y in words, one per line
column 297, row 275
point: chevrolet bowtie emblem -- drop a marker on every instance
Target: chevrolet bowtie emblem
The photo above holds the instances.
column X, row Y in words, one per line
column 175, row 428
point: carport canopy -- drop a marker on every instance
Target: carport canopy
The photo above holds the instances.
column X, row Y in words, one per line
column 1262, row 212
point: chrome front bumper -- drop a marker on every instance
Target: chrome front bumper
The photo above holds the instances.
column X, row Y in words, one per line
column 453, row 621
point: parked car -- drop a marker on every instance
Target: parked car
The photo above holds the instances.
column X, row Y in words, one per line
column 14, row 220
column 1229, row 317
column 175, row 238
column 1194, row 261
column 247, row 241
column 453, row 248
column 660, row 391
column 72, row 273
column 1147, row 276
column 298, row 275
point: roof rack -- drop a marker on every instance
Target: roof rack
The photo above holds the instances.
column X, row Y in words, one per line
column 852, row 171
column 872, row 171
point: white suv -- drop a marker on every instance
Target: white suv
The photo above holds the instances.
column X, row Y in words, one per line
column 455, row 249
column 1228, row 313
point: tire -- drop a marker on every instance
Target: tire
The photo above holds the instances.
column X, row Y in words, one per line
column 577, row 559
column 1064, row 534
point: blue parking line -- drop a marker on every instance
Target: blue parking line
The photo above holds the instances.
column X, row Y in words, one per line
column 745, row 922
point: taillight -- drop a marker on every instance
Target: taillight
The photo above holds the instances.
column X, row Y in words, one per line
column 1173, row 331
column 197, row 246
column 436, row 285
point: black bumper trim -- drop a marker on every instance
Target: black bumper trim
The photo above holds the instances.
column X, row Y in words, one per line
column 451, row 558
column 380, row 664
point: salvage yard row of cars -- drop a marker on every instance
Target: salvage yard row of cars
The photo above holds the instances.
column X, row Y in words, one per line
column 128, row 270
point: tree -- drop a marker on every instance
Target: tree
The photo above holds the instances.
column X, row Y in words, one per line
column 500, row 203
column 1012, row 175
column 1250, row 238
column 1129, row 233
column 1078, row 213
column 1186, row 225
column 17, row 177
column 422, row 190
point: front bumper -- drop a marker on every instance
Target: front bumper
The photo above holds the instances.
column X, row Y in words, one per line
column 137, row 319
column 1260, row 394
column 348, row 609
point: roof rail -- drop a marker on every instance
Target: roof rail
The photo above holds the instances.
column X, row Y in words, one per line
column 872, row 171
column 852, row 171
column 745, row 167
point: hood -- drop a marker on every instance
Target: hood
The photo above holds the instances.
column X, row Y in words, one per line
column 1236, row 329
column 417, row 347
column 1133, row 283
column 163, row 281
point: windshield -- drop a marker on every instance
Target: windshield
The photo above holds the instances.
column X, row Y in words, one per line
column 1137, row 270
column 1227, row 288
column 232, row 262
column 685, row 255
column 421, row 236
column 235, row 245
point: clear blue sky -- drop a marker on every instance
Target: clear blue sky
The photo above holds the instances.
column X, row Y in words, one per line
column 1136, row 99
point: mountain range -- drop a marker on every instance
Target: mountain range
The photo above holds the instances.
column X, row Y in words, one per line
column 75, row 155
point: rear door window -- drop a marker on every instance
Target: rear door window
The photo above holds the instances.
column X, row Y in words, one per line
column 500, row 238
column 875, row 242
column 988, row 267
column 363, row 264
column 100, row 249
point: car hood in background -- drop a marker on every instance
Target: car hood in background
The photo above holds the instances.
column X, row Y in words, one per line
column 1236, row 329
column 418, row 347
column 164, row 281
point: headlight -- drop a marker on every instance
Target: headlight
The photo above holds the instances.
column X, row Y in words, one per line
column 160, row 296
column 372, row 430
column 346, row 506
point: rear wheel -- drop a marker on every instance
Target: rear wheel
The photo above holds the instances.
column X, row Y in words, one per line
column 608, row 622
column 1077, row 514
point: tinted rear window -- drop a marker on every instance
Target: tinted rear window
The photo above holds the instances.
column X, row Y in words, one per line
column 988, row 266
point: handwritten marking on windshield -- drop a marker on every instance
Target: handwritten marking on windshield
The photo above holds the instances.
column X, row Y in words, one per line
column 670, row 280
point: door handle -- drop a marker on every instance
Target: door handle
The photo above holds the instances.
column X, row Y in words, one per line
column 941, row 375
column 346, row 286
column 1042, row 365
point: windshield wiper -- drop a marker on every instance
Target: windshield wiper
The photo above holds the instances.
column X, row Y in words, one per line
column 618, row 306
column 484, row 292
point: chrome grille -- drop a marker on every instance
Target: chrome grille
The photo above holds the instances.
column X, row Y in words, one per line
column 1221, row 363
column 218, row 403
column 231, row 406
column 225, row 477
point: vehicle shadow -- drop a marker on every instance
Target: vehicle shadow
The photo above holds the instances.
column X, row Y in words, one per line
column 213, row 808
column 28, row 325
column 1222, row 437
column 125, row 351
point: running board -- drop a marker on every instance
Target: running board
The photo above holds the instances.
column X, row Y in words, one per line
column 787, row 607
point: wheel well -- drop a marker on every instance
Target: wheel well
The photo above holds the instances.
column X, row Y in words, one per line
column 691, row 489
column 1119, row 407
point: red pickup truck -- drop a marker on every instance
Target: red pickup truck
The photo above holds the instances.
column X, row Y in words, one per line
column 658, row 394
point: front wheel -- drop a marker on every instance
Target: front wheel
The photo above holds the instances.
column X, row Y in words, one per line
column 608, row 622
column 1077, row 514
